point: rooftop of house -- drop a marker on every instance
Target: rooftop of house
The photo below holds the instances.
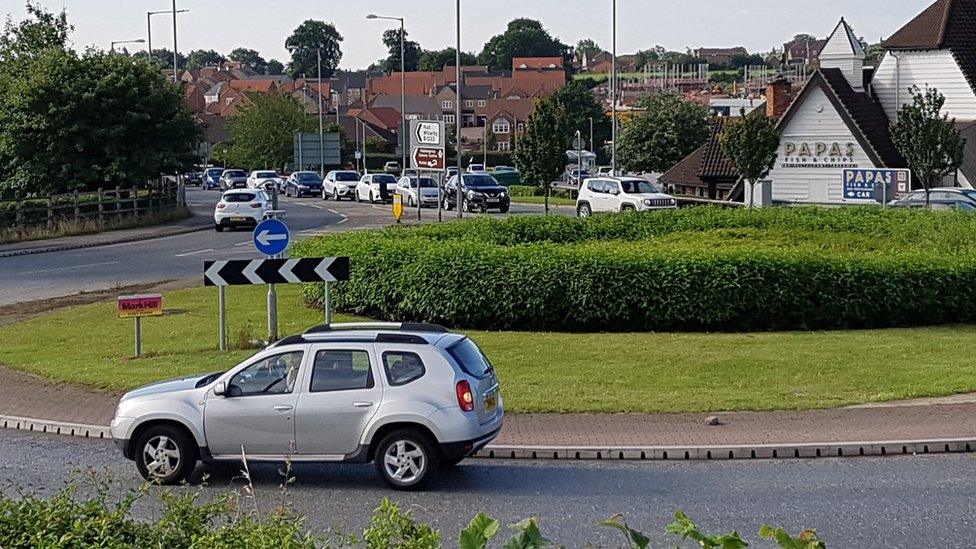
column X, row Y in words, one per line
column 946, row 24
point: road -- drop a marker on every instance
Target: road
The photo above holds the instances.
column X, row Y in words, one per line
column 923, row 501
column 49, row 275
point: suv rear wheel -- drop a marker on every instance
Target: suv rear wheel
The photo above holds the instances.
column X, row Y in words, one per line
column 406, row 460
column 583, row 210
column 165, row 455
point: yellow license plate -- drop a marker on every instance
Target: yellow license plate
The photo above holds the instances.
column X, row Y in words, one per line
column 491, row 402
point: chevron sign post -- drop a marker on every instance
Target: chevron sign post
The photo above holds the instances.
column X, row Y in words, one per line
column 272, row 271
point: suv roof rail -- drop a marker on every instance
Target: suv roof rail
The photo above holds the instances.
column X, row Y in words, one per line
column 393, row 326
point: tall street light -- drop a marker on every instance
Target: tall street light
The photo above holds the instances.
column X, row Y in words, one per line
column 613, row 94
column 318, row 92
column 149, row 15
column 111, row 48
column 403, row 99
column 457, row 119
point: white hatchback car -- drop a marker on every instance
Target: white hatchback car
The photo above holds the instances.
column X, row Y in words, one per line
column 241, row 208
column 429, row 192
column 264, row 180
column 621, row 194
column 376, row 187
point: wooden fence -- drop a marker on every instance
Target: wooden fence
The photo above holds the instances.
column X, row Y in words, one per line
column 103, row 206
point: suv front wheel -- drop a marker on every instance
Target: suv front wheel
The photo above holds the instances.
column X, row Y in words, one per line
column 406, row 460
column 165, row 455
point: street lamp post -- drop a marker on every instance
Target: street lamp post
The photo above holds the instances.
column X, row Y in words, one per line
column 111, row 48
column 318, row 59
column 149, row 15
column 403, row 99
column 457, row 119
column 176, row 59
column 613, row 94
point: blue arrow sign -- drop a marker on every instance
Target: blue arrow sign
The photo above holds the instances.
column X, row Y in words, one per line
column 271, row 237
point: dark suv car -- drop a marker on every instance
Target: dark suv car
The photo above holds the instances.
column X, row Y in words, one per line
column 479, row 191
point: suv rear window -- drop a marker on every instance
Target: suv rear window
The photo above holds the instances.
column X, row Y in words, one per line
column 403, row 368
column 470, row 358
column 239, row 197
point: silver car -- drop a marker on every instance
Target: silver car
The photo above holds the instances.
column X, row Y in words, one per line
column 409, row 397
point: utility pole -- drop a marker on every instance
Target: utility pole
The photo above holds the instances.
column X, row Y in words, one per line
column 176, row 61
column 613, row 94
column 318, row 57
column 457, row 121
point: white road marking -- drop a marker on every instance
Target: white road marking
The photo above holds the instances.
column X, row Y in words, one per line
column 243, row 244
column 333, row 211
column 70, row 268
column 344, row 219
column 194, row 253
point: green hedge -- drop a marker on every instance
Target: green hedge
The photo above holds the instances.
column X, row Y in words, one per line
column 691, row 269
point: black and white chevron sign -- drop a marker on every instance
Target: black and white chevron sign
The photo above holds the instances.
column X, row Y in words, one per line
column 275, row 271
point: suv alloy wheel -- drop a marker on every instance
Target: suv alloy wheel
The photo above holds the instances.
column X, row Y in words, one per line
column 583, row 210
column 406, row 460
column 164, row 455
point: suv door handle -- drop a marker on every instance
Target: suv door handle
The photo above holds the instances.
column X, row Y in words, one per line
column 283, row 408
column 362, row 404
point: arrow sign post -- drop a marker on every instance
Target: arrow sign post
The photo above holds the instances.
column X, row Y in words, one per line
column 271, row 237
column 272, row 271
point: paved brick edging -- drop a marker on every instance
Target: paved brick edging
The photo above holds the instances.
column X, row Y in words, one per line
column 127, row 240
column 633, row 453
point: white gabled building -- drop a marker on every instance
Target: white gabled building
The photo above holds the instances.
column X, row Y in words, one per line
column 834, row 123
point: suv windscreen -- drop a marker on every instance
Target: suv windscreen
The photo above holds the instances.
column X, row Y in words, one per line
column 265, row 175
column 346, row 176
column 637, row 186
column 477, row 180
column 470, row 358
column 235, row 173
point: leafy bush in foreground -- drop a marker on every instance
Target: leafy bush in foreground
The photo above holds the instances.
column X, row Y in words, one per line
column 692, row 269
column 67, row 520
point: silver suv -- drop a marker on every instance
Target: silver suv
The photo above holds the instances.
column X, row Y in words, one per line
column 410, row 397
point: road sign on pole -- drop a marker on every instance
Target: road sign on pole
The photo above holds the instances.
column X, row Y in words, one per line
column 428, row 159
column 138, row 306
column 875, row 184
column 271, row 237
column 427, row 133
column 275, row 271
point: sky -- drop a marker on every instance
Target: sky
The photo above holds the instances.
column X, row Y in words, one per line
column 223, row 25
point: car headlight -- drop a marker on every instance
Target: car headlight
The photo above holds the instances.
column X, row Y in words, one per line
column 673, row 201
column 647, row 202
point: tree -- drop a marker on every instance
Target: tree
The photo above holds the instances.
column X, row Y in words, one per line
column 587, row 47
column 928, row 139
column 437, row 60
column 303, row 43
column 262, row 132
column 540, row 154
column 491, row 140
column 203, row 58
column 738, row 61
column 668, row 130
column 275, row 67
column 164, row 58
column 250, row 59
column 40, row 31
column 411, row 49
column 581, row 106
column 70, row 122
column 522, row 38
column 750, row 143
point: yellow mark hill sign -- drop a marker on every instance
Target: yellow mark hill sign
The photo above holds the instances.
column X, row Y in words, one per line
column 132, row 306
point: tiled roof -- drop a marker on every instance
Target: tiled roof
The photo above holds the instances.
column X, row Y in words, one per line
column 867, row 115
column 686, row 172
column 714, row 161
column 946, row 24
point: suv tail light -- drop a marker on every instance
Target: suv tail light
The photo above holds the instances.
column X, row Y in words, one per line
column 221, row 206
column 464, row 396
column 256, row 205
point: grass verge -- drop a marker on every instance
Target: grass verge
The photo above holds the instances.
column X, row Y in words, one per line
column 553, row 200
column 540, row 372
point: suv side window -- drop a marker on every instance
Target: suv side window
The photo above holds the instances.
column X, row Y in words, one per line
column 338, row 370
column 611, row 187
column 403, row 368
column 275, row 375
column 596, row 186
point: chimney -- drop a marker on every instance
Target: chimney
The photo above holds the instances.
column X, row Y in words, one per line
column 779, row 96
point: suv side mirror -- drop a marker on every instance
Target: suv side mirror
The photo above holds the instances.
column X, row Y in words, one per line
column 220, row 389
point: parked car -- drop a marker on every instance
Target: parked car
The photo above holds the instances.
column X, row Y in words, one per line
column 241, row 208
column 621, row 194
column 604, row 171
column 193, row 178
column 340, row 184
column 376, row 187
column 233, row 179
column 476, row 168
column 429, row 192
column 479, row 191
column 952, row 194
column 450, row 172
column 506, row 175
column 575, row 176
column 410, row 398
column 265, row 180
column 392, row 168
column 211, row 178
column 303, row 183
column 958, row 205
